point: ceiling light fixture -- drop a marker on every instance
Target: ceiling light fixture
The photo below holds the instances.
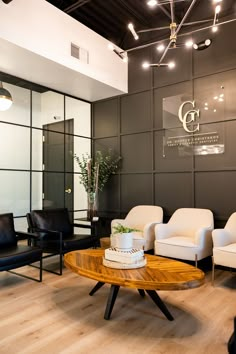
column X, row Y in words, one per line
column 132, row 30
column 175, row 28
column 5, row 98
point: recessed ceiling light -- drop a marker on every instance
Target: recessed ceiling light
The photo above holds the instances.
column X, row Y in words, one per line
column 216, row 97
column 111, row 46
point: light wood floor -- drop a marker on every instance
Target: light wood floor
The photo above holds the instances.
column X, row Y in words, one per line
column 58, row 316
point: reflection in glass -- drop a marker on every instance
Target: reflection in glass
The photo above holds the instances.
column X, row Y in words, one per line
column 15, row 143
column 15, row 192
column 37, row 191
column 37, row 149
column 47, row 108
column 19, row 112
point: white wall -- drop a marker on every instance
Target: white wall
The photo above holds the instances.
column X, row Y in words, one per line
column 41, row 28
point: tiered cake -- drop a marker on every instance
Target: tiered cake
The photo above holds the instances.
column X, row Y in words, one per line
column 124, row 259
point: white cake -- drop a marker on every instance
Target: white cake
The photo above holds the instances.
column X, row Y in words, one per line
column 132, row 256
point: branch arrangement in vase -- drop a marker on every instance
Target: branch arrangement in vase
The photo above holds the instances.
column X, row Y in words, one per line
column 96, row 171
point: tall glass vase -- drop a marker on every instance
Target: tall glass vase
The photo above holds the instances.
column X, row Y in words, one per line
column 92, row 199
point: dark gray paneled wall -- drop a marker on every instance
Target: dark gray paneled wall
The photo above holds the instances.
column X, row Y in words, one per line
column 132, row 125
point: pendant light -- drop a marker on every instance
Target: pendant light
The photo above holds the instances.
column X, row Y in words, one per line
column 5, row 98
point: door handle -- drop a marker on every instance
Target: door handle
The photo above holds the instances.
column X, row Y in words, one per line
column 68, row 190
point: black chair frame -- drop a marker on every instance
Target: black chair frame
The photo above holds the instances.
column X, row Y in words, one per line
column 25, row 236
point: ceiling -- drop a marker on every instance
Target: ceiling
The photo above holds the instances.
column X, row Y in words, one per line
column 110, row 18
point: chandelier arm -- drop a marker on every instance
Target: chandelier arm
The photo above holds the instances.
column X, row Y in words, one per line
column 172, row 11
column 180, row 35
column 208, row 27
column 168, row 27
column 165, row 52
column 153, row 29
column 185, row 16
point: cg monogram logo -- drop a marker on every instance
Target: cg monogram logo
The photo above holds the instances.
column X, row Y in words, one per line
column 189, row 116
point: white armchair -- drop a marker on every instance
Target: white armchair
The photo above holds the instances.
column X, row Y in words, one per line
column 187, row 235
column 224, row 245
column 143, row 218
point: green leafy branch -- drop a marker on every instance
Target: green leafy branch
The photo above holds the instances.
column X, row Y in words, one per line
column 95, row 172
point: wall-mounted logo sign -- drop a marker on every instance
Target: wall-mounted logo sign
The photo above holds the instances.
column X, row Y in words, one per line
column 185, row 134
column 189, row 117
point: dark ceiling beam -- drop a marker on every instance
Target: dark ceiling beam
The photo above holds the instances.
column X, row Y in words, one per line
column 75, row 6
column 6, row 1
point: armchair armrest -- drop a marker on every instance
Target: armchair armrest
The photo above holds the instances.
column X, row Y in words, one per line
column 221, row 238
column 149, row 230
column 203, row 236
column 21, row 235
column 82, row 226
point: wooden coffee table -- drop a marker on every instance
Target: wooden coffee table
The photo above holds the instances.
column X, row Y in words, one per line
column 158, row 274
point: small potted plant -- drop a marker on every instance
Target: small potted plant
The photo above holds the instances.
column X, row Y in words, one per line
column 123, row 237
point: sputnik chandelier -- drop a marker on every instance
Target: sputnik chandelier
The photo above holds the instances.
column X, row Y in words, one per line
column 172, row 40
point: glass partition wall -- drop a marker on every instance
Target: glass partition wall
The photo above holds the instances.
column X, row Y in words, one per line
column 39, row 136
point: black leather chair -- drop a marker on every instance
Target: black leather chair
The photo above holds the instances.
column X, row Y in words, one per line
column 56, row 233
column 14, row 255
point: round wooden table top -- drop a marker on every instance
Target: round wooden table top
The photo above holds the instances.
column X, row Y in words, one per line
column 158, row 274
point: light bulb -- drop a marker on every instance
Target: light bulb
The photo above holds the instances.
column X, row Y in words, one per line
column 214, row 28
column 189, row 43
column 5, row 103
column 152, row 3
column 146, row 65
column 195, row 46
column 217, row 9
column 171, row 64
column 160, row 47
column 207, row 42
column 132, row 30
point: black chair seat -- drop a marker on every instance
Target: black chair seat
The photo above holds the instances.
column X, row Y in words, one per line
column 18, row 255
column 51, row 243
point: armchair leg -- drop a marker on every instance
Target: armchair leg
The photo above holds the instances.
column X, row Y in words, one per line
column 213, row 271
column 196, row 260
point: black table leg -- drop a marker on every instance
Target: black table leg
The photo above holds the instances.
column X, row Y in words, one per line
column 111, row 301
column 141, row 292
column 96, row 288
column 154, row 296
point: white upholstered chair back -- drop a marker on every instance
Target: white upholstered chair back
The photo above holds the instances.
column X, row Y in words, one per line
column 141, row 215
column 188, row 220
column 230, row 226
